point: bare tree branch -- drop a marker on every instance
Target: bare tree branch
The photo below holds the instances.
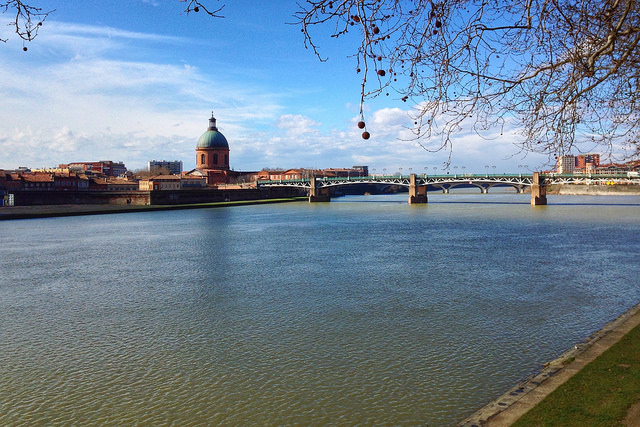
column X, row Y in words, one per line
column 27, row 21
column 197, row 6
column 567, row 71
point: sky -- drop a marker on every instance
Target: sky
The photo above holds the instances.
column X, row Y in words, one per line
column 137, row 80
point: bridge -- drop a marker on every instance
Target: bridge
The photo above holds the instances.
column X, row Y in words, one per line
column 319, row 188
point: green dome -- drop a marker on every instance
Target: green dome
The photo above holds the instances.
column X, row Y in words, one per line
column 212, row 138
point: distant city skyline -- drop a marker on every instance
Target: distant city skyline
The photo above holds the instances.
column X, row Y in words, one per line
column 138, row 80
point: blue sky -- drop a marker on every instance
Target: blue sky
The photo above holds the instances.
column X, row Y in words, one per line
column 136, row 80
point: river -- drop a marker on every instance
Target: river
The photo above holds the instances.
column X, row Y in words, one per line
column 365, row 310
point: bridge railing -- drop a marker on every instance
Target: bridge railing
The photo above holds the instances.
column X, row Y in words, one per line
column 551, row 176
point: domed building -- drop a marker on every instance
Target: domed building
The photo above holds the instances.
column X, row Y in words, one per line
column 212, row 155
column 212, row 150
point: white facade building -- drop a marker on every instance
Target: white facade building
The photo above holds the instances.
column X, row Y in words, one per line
column 174, row 166
column 566, row 164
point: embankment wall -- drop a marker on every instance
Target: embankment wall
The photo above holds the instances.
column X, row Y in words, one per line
column 137, row 198
column 593, row 190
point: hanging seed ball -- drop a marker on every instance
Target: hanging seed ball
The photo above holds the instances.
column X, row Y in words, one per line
column 438, row 24
column 361, row 124
column 379, row 58
column 196, row 9
column 356, row 18
column 366, row 135
column 376, row 30
column 24, row 48
column 358, row 70
column 435, row 32
column 381, row 73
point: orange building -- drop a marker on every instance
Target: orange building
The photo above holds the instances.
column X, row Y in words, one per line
column 212, row 155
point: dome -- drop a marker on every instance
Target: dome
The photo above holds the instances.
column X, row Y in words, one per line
column 212, row 138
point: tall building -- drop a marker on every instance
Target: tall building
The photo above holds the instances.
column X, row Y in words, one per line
column 566, row 164
column 175, row 166
column 587, row 161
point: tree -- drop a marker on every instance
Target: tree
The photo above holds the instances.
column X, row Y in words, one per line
column 155, row 171
column 563, row 71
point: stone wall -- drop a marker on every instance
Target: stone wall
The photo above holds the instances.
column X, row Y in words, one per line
column 136, row 198
column 593, row 190
column 37, row 198
column 182, row 197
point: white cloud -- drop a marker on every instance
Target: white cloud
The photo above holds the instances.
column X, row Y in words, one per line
column 87, row 101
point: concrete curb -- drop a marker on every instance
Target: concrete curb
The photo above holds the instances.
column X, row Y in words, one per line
column 506, row 409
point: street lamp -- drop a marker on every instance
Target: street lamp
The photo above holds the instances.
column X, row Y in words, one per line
column 435, row 169
column 425, row 171
column 400, row 169
column 384, row 171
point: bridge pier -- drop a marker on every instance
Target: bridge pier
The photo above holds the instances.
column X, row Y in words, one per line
column 318, row 194
column 538, row 191
column 417, row 193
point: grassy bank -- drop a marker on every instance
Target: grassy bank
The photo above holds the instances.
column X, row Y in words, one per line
column 599, row 395
column 29, row 212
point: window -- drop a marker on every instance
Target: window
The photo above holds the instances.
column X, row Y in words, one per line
column 202, row 159
column 226, row 159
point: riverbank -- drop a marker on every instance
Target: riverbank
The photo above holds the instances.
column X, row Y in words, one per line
column 516, row 402
column 48, row 211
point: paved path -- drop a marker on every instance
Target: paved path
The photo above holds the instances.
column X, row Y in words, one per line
column 505, row 410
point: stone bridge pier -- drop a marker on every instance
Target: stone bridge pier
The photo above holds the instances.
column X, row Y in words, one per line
column 417, row 193
column 538, row 191
column 318, row 194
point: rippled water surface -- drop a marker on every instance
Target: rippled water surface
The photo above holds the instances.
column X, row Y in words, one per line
column 364, row 310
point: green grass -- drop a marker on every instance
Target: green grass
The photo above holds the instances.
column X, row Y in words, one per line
column 599, row 394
